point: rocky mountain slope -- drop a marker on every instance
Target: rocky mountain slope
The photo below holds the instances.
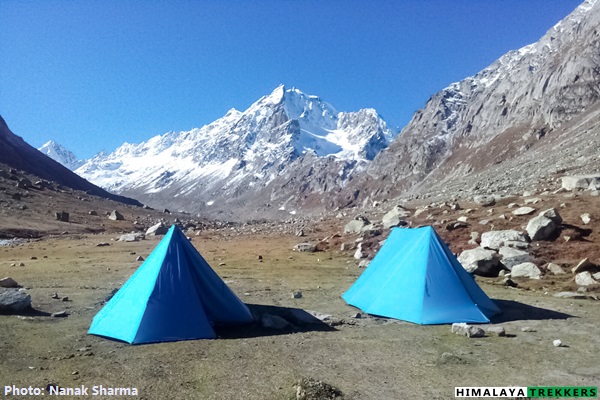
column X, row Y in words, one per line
column 16, row 153
column 61, row 155
column 283, row 149
column 535, row 100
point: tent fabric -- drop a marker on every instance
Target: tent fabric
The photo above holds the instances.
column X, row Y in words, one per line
column 174, row 295
column 415, row 277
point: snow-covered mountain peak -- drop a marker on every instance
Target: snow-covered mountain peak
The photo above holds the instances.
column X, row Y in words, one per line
column 63, row 156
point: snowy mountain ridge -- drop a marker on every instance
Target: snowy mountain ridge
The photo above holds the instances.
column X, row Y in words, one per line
column 242, row 152
column 60, row 154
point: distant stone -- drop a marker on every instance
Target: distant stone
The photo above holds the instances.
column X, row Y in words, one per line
column 585, row 279
column 103, row 244
column 474, row 238
column 364, row 263
column 533, row 200
column 300, row 233
column 157, row 229
column 528, row 329
column 480, row 262
column 456, row 225
column 66, row 298
column 139, row 258
column 9, row 283
column 524, row 211
column 585, row 218
column 92, row 212
column 274, row 322
column 496, row 330
column 540, row 228
column 116, row 216
column 24, row 183
column 59, row 314
column 14, row 300
column 555, row 269
column 464, row 329
column 557, row 343
column 512, row 257
column 359, row 253
column 297, row 295
column 579, row 182
column 462, row 218
column 356, row 225
column 305, row 247
column 485, row 201
column 132, row 237
column 495, row 239
column 62, row 216
column 526, row 270
column 167, row 211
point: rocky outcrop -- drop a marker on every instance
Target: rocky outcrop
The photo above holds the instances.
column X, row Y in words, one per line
column 480, row 261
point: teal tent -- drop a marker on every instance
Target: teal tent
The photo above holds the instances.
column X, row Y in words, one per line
column 414, row 277
column 173, row 295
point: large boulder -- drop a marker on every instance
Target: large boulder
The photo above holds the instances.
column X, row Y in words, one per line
column 305, row 247
column 541, row 228
column 580, row 182
column 585, row 279
column 14, row 300
column 132, row 237
column 356, row 225
column 480, row 261
column 158, row 229
column 116, row 216
column 552, row 213
column 485, row 201
column 526, row 270
column 496, row 239
column 394, row 217
column 512, row 257
column 9, row 283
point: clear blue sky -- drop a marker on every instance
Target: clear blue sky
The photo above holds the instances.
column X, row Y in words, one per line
column 94, row 74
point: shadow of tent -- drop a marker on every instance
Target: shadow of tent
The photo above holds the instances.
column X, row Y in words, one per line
column 515, row 311
column 299, row 321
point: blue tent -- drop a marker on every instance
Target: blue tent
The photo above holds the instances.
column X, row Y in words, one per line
column 414, row 277
column 173, row 295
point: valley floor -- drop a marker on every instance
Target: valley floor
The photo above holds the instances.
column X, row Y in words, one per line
column 366, row 358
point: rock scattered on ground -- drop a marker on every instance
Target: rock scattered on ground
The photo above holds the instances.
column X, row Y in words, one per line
column 462, row 328
column 9, row 283
column 14, row 300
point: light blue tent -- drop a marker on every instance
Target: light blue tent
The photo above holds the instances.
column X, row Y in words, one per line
column 414, row 277
column 173, row 295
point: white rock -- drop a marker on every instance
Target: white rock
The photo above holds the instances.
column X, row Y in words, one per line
column 585, row 279
column 555, row 269
column 496, row 239
column 480, row 261
column 524, row 211
column 512, row 257
column 586, row 218
column 526, row 270
column 540, row 228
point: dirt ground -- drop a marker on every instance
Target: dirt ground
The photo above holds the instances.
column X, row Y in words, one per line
column 366, row 358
